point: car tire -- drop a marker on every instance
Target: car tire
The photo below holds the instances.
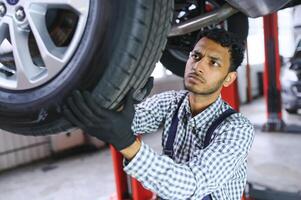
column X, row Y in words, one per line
column 291, row 110
column 118, row 50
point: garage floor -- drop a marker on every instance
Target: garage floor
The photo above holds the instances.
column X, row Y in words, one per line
column 274, row 161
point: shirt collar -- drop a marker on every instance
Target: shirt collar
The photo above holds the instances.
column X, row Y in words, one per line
column 205, row 116
column 184, row 109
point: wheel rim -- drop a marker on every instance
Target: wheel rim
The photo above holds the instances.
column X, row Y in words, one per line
column 38, row 39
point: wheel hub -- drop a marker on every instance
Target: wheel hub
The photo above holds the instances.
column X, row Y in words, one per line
column 20, row 14
column 38, row 39
column 12, row 2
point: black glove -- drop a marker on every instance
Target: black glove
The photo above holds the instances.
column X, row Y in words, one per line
column 107, row 125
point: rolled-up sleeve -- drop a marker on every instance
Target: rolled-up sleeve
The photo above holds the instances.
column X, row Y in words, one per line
column 205, row 173
column 161, row 174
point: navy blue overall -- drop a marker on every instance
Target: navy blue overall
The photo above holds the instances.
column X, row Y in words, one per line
column 168, row 149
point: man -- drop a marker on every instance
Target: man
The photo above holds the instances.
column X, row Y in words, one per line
column 198, row 165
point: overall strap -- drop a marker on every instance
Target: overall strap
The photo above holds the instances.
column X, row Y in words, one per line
column 210, row 131
column 168, row 148
column 215, row 124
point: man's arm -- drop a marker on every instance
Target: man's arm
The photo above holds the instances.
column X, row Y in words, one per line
column 152, row 112
column 149, row 115
column 130, row 151
column 206, row 172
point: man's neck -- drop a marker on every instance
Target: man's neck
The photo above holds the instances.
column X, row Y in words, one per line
column 198, row 103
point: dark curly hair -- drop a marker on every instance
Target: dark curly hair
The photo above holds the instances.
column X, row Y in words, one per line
column 227, row 39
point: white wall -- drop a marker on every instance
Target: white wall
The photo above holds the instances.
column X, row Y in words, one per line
column 16, row 149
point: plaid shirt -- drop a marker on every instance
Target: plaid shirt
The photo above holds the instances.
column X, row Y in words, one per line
column 219, row 169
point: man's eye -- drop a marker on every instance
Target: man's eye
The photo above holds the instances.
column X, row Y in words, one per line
column 214, row 63
column 195, row 57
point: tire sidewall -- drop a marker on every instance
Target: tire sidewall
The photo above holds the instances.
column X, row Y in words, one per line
column 120, row 46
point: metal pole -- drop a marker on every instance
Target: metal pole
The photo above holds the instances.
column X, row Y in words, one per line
column 120, row 175
column 248, row 76
column 272, row 85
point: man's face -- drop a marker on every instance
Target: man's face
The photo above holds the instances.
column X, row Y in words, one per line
column 207, row 67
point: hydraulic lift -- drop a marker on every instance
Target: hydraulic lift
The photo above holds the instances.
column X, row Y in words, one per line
column 135, row 190
column 272, row 86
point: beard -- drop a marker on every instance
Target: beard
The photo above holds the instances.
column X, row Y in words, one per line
column 205, row 92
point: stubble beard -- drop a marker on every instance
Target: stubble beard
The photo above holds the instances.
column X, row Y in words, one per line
column 206, row 92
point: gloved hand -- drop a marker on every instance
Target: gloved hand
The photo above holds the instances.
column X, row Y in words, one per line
column 107, row 125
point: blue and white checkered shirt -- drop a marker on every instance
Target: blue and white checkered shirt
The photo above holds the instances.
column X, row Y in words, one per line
column 195, row 171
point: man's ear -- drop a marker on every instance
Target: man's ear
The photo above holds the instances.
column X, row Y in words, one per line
column 230, row 79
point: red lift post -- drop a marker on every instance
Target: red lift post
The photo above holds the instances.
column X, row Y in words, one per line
column 230, row 95
column 272, row 85
column 136, row 191
column 121, row 183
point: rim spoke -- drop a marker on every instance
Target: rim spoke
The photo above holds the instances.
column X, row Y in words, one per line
column 80, row 6
column 37, row 56
column 3, row 31
column 51, row 55
column 25, row 69
column 4, row 34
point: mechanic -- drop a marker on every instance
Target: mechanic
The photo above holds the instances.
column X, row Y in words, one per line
column 205, row 142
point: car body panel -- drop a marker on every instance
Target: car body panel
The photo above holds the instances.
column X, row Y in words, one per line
column 257, row 8
column 291, row 81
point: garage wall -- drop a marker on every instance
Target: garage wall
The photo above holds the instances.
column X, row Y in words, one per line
column 16, row 149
